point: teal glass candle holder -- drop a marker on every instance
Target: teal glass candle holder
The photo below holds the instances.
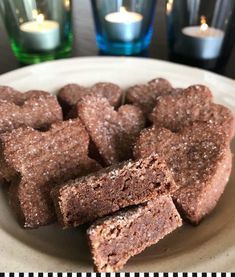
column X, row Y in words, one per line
column 123, row 27
column 39, row 30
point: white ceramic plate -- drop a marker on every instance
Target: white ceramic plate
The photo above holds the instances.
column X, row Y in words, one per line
column 208, row 247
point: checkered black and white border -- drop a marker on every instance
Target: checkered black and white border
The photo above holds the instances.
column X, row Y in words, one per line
column 132, row 274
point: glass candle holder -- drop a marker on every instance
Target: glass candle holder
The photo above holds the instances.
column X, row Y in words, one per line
column 39, row 30
column 199, row 31
column 123, row 27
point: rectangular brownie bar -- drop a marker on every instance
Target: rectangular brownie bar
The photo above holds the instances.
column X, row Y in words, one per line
column 129, row 183
column 115, row 239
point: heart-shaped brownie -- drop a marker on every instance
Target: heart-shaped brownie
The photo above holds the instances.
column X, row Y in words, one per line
column 36, row 161
column 69, row 95
column 113, row 132
column 200, row 160
column 144, row 96
column 38, row 111
column 178, row 110
column 12, row 95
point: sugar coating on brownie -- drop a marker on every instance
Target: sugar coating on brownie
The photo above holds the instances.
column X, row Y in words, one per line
column 37, row 112
column 200, row 160
column 115, row 239
column 106, row 191
column 33, row 93
column 113, row 132
column 70, row 94
column 144, row 96
column 36, row 161
column 178, row 110
column 12, row 95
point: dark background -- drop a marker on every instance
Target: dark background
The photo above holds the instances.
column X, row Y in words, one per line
column 85, row 45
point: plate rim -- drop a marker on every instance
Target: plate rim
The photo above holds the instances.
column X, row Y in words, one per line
column 115, row 59
column 99, row 60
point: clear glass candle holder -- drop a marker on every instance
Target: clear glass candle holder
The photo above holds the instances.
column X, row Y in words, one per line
column 201, row 32
column 39, row 30
column 123, row 27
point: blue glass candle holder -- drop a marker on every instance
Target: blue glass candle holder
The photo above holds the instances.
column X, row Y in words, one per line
column 123, row 27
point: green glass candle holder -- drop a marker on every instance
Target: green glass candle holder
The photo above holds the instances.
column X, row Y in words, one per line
column 39, row 30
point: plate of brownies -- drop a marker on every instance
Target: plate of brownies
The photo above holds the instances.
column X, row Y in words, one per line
column 116, row 164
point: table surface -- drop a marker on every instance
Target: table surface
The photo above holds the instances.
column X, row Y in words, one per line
column 85, row 45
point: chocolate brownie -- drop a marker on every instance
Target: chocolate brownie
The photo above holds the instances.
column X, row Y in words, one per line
column 144, row 96
column 176, row 111
column 115, row 239
column 85, row 199
column 33, row 94
column 36, row 161
column 34, row 108
column 37, row 112
column 200, row 160
column 69, row 95
column 113, row 132
column 12, row 95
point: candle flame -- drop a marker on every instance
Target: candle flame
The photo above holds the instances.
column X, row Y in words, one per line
column 123, row 10
column 169, row 6
column 204, row 25
column 67, row 4
column 39, row 17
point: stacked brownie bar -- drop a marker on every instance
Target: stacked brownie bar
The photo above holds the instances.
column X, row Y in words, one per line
column 142, row 188
column 116, row 238
column 177, row 166
column 126, row 184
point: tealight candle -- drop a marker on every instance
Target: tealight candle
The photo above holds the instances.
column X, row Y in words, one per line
column 202, row 42
column 123, row 26
column 40, row 34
